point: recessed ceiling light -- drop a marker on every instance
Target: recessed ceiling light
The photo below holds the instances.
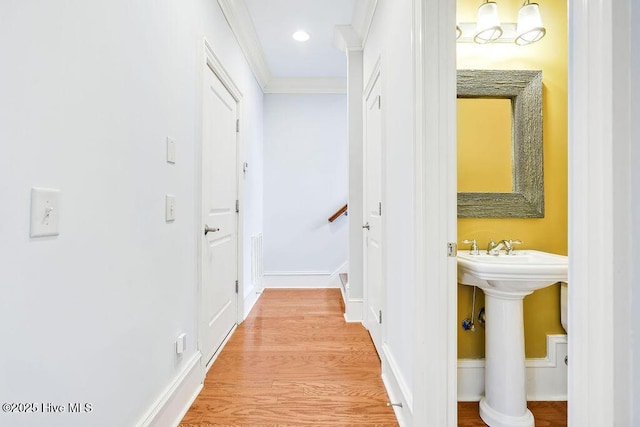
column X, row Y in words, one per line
column 301, row 36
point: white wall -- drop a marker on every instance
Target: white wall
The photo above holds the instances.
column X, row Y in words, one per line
column 90, row 91
column 253, row 203
column 305, row 182
column 635, row 216
column 390, row 39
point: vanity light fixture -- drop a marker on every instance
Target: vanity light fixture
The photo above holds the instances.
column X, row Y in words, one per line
column 301, row 36
column 488, row 27
column 530, row 28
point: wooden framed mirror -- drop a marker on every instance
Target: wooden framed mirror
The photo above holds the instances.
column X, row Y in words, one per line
column 523, row 88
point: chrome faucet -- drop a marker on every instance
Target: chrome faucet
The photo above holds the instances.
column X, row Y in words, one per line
column 494, row 248
column 473, row 250
column 491, row 248
column 508, row 246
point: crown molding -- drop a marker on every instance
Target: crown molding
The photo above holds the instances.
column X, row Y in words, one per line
column 363, row 14
column 328, row 85
column 239, row 19
column 241, row 24
column 346, row 38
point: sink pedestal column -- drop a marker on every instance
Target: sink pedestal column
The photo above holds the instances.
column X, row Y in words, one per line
column 505, row 401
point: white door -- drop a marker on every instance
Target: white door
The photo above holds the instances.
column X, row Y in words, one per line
column 219, row 218
column 373, row 283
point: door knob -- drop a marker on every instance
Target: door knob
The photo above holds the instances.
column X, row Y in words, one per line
column 366, row 226
column 208, row 229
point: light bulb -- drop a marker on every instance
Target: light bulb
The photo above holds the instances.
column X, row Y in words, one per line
column 301, row 36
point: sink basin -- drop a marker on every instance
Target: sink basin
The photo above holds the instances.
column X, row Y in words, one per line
column 525, row 271
column 506, row 280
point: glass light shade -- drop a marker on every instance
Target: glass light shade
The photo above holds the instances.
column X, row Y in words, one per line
column 530, row 28
column 488, row 28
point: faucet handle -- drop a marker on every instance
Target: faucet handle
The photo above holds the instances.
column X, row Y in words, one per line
column 511, row 248
column 473, row 250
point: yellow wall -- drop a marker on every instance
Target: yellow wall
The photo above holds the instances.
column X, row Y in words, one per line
column 484, row 132
column 542, row 308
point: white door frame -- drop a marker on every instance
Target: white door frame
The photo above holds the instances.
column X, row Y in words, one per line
column 211, row 63
column 599, row 85
column 435, row 352
column 600, row 118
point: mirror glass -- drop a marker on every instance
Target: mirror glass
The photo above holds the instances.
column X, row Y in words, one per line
column 500, row 153
column 484, row 145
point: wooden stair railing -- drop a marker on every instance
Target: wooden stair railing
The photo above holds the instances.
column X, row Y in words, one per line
column 341, row 211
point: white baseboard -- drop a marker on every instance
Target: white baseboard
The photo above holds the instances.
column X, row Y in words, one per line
column 295, row 279
column 250, row 300
column 353, row 309
column 546, row 377
column 397, row 388
column 174, row 403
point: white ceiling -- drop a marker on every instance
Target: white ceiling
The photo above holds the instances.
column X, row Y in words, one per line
column 274, row 22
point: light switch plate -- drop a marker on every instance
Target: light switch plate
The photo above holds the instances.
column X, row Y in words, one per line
column 45, row 211
column 181, row 343
column 170, row 210
column 171, row 150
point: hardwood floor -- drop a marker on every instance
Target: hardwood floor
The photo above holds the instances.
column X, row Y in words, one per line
column 295, row 362
column 547, row 414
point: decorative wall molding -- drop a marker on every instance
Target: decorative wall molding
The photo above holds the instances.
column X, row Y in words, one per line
column 397, row 388
column 546, row 377
column 174, row 403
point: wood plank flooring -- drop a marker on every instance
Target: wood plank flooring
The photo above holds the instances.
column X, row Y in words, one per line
column 546, row 414
column 295, row 362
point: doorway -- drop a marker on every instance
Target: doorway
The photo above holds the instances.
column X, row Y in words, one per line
column 373, row 224
column 599, row 315
column 219, row 212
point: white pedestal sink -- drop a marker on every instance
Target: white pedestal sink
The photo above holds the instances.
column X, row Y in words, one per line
column 506, row 280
